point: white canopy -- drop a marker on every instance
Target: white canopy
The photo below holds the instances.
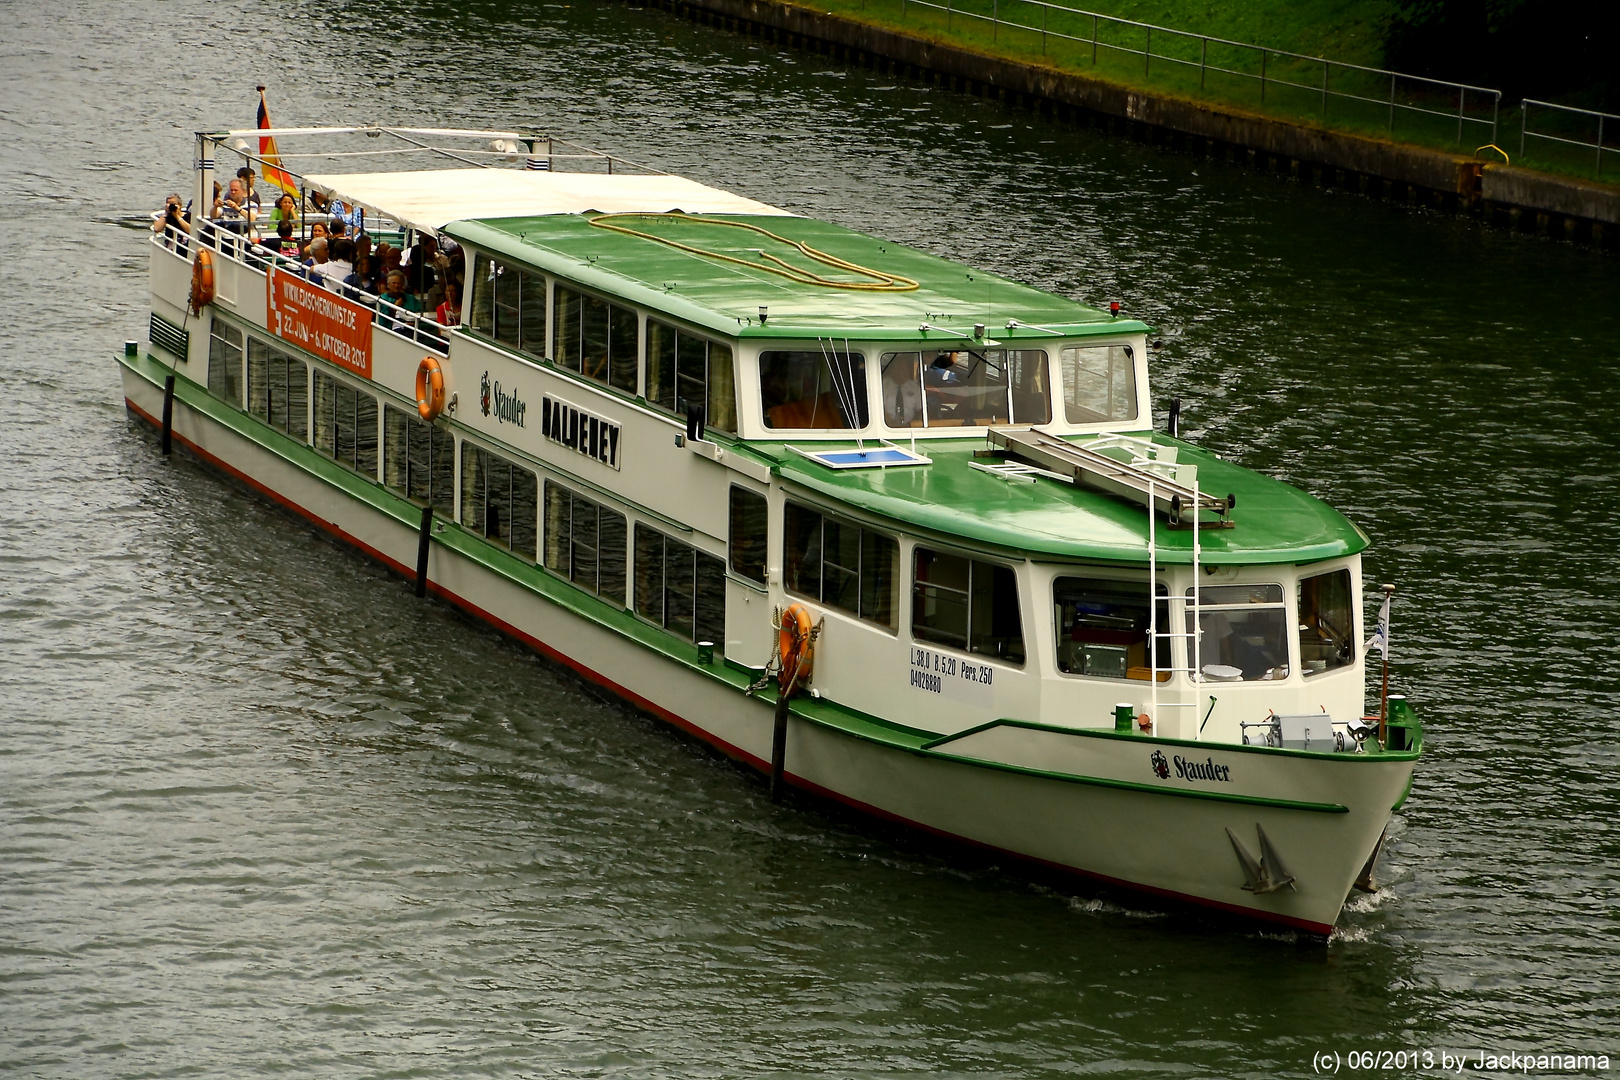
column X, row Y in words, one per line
column 432, row 198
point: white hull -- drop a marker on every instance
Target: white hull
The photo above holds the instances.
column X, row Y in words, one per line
column 1083, row 802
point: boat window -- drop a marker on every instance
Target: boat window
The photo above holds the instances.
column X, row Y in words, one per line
column 345, row 424
column 813, row 389
column 419, row 460
column 1102, row 628
column 499, row 500
column 749, row 516
column 225, row 362
column 586, row 543
column 1244, row 632
column 965, row 387
column 278, row 389
column 596, row 339
column 1099, row 383
column 840, row 564
column 509, row 304
column 683, row 369
column 1327, row 637
column 968, row 605
column 680, row 588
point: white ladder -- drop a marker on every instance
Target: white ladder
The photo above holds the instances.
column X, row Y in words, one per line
column 1155, row 635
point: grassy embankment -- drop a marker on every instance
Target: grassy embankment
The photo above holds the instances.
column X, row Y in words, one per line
column 1346, row 32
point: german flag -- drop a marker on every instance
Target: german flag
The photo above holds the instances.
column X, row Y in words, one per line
column 273, row 174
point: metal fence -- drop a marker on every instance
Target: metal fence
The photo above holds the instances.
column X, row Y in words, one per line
column 1324, row 81
column 1573, row 121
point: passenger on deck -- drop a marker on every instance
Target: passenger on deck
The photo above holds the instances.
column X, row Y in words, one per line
column 250, row 195
column 315, row 265
column 394, row 292
column 421, row 269
column 363, row 282
column 336, row 228
column 232, row 212
column 283, row 242
column 448, row 313
column 340, row 264
column 286, row 209
column 174, row 225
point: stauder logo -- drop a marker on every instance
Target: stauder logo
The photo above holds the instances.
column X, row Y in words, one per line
column 1161, row 767
column 483, row 393
column 508, row 407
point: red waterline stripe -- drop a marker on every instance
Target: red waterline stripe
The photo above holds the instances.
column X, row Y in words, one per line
column 729, row 749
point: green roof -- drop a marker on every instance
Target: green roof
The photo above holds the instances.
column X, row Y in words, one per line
column 1274, row 523
column 725, row 297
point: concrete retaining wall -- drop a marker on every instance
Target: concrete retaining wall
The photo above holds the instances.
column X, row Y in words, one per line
column 1399, row 170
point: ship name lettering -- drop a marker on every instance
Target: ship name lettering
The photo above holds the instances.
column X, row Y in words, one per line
column 580, row 431
column 1202, row 770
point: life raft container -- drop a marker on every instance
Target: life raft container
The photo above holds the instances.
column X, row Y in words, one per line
column 429, row 388
column 202, row 281
column 794, row 647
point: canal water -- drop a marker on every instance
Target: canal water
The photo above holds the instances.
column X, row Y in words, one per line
column 263, row 812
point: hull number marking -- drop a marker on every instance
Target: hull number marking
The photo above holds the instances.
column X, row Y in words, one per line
column 952, row 677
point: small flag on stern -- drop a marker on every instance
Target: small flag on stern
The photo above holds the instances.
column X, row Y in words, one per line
column 273, row 174
column 1380, row 636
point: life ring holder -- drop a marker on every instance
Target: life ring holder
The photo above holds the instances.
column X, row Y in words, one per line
column 202, row 281
column 429, row 388
column 795, row 647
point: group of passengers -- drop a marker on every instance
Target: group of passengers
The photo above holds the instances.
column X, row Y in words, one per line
column 337, row 252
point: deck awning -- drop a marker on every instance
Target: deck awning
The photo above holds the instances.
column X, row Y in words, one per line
column 431, row 199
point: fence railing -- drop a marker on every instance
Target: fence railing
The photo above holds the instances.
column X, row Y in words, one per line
column 417, row 327
column 1324, row 81
column 1573, row 121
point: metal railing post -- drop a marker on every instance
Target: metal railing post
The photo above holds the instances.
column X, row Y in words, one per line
column 1044, row 9
column 1462, row 97
column 1600, row 149
column 1203, row 60
column 1324, row 88
column 995, row 20
column 1262, row 76
column 1147, row 54
column 1392, row 103
column 1094, row 41
column 1524, row 123
column 947, row 16
column 1496, row 112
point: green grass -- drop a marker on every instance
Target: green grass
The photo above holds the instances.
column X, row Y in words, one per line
column 1345, row 32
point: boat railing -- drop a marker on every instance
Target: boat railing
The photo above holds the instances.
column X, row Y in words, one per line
column 416, row 327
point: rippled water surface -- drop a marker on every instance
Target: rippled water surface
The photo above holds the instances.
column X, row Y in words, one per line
column 261, row 811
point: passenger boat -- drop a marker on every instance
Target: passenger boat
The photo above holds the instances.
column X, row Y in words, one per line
column 898, row 532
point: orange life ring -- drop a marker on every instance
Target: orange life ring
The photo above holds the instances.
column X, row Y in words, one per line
column 793, row 645
column 429, row 388
column 202, row 281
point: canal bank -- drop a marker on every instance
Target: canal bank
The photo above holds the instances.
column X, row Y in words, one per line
column 1501, row 194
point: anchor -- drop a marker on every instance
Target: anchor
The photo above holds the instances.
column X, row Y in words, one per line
column 1265, row 874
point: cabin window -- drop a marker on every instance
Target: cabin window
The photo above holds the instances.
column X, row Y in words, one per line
column 968, row 605
column 509, row 304
column 957, row 387
column 499, row 500
column 419, row 460
column 1327, row 638
column 680, row 588
column 278, row 389
column 684, row 370
column 840, row 564
column 586, row 543
column 1244, row 632
column 596, row 339
column 225, row 362
column 345, row 424
column 813, row 389
column 1102, row 628
column 749, row 519
column 1099, row 383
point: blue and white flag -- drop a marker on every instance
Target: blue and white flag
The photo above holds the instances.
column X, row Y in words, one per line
column 1380, row 636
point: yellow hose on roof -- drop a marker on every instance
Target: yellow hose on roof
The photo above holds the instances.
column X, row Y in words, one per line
column 769, row 263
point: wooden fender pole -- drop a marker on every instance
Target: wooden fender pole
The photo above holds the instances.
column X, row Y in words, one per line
column 779, row 743
column 168, row 414
column 422, row 543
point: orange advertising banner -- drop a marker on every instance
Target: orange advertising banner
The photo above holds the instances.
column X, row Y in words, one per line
column 326, row 324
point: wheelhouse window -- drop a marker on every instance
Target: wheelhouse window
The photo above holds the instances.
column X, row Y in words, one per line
column 965, row 387
column 1099, row 383
column 596, row 338
column 499, row 500
column 278, row 389
column 749, row 520
column 840, row 564
column 1103, row 628
column 684, row 370
column 967, row 604
column 813, row 389
column 345, row 424
column 1244, row 632
column 225, row 362
column 509, row 304
column 1327, row 637
column 419, row 460
column 679, row 587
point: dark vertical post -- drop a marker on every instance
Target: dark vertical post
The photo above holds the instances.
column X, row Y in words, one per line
column 168, row 413
column 422, row 543
column 1383, row 698
column 1174, row 422
column 779, row 745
